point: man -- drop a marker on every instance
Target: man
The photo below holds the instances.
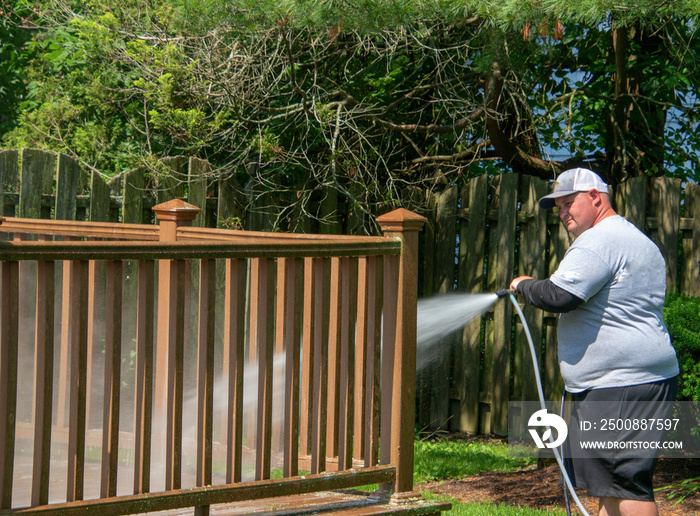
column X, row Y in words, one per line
column 613, row 346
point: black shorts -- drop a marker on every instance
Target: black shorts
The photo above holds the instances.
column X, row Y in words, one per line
column 622, row 472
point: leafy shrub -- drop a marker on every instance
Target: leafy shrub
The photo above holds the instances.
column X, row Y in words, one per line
column 682, row 317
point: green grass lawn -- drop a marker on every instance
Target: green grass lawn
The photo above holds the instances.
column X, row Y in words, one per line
column 442, row 460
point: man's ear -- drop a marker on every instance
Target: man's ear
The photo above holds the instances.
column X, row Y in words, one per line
column 595, row 197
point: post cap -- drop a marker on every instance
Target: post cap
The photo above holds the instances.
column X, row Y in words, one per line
column 401, row 220
column 176, row 209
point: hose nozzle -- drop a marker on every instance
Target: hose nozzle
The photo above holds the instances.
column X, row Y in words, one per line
column 503, row 293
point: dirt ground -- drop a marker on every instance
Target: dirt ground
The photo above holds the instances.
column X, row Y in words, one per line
column 541, row 488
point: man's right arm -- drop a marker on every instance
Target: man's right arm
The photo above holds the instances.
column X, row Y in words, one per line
column 546, row 295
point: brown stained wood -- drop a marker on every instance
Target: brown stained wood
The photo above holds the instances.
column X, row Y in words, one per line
column 234, row 358
column 307, row 360
column 361, row 361
column 174, row 379
column 205, row 376
column 145, row 319
column 346, row 401
column 8, row 378
column 389, row 330
column 404, row 225
column 43, row 389
column 373, row 359
column 197, row 496
column 112, row 378
column 319, row 384
column 293, row 300
column 336, row 317
column 77, row 311
column 262, row 339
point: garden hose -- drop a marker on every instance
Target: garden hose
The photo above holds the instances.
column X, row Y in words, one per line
column 540, row 392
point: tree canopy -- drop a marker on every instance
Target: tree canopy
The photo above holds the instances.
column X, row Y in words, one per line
column 368, row 97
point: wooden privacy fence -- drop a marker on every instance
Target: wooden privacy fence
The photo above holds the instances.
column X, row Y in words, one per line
column 337, row 312
column 477, row 238
column 49, row 185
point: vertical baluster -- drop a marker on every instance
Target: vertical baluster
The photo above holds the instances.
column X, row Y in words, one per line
column 63, row 364
column 234, row 346
column 205, row 375
column 176, row 340
column 336, row 315
column 9, row 336
column 112, row 378
column 320, row 368
column 293, row 292
column 307, row 359
column 43, row 390
column 261, row 337
column 346, row 403
column 391, row 266
column 144, row 376
column 373, row 357
column 361, row 361
column 77, row 315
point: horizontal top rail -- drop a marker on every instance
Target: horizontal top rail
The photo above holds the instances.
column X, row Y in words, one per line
column 190, row 233
column 80, row 229
column 243, row 248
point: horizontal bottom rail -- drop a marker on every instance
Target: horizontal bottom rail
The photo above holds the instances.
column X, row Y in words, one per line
column 203, row 496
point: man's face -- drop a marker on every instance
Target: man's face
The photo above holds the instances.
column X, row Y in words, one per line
column 577, row 212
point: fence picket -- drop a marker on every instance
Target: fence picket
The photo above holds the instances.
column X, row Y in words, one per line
column 472, row 247
column 533, row 239
column 8, row 179
column 665, row 204
column 66, row 188
column 690, row 277
column 197, row 187
column 134, row 188
column 37, row 173
column 100, row 201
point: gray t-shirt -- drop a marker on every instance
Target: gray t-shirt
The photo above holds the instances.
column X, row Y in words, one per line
column 617, row 337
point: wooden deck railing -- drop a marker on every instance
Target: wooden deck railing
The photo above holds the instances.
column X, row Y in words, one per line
column 207, row 306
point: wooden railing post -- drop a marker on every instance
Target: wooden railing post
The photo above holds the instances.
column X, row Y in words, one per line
column 404, row 225
column 169, row 341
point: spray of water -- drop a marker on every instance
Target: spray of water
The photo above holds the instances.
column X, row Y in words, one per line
column 441, row 316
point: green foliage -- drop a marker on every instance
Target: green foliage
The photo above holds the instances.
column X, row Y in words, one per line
column 442, row 459
column 682, row 317
column 14, row 57
column 367, row 97
column 489, row 509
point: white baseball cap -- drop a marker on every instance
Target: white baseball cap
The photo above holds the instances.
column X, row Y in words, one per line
column 572, row 181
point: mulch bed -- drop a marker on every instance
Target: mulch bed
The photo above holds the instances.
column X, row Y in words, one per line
column 541, row 488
